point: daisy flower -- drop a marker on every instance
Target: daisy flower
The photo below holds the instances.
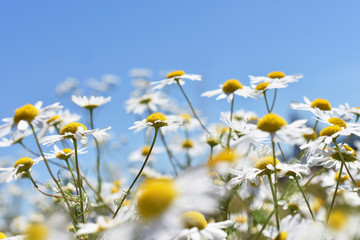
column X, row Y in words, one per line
column 290, row 228
column 101, row 225
column 192, row 147
column 278, row 78
column 159, row 201
column 34, row 114
column 156, row 120
column 141, row 153
column 63, row 154
column 353, row 110
column 228, row 89
column 195, row 226
column 90, row 103
column 318, row 103
column 22, row 165
column 152, row 101
column 78, row 131
column 174, row 77
column 190, row 123
column 14, row 138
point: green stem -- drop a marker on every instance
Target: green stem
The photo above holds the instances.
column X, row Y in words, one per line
column 275, row 183
column 231, row 115
column 37, row 187
column 97, row 154
column 343, row 160
column 266, row 102
column 72, row 174
column 191, row 107
column 275, row 201
column 274, row 99
column 302, row 192
column 28, row 149
column 282, row 153
column 264, row 226
column 79, row 181
column 138, row 175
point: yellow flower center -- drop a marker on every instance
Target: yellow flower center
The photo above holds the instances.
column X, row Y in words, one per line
column 27, row 113
column 71, row 128
column 193, row 219
column 114, row 189
column 253, row 120
column 262, row 86
column 337, row 121
column 226, row 156
column 145, row 150
column 264, row 161
column 177, row 73
column 2, row 235
column 26, row 163
column 281, row 236
column 276, row 75
column 318, row 204
column 337, row 220
column 312, row 136
column 188, row 143
column 36, row 231
column 157, row 119
column 241, row 219
column 330, row 130
column 231, row 86
column 342, row 179
column 271, row 123
column 53, row 119
column 154, row 196
column 186, row 117
column 321, row 104
column 64, row 154
column 347, row 157
column 117, row 183
column 212, row 141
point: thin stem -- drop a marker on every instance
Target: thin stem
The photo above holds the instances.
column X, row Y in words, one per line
column 282, row 153
column 79, row 181
column 169, row 153
column 275, row 183
column 138, row 175
column 191, row 107
column 97, row 153
column 302, row 192
column 52, row 175
column 37, row 187
column 274, row 99
column 343, row 160
column 231, row 115
column 28, row 149
column 264, row 226
column 275, row 201
column 72, row 174
column 316, row 123
column 336, row 189
column 266, row 102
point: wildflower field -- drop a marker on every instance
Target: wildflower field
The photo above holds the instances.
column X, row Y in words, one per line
column 243, row 177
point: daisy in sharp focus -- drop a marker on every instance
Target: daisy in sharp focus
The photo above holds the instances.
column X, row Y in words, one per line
column 78, row 131
column 156, row 120
column 228, row 89
column 276, row 78
column 34, row 114
column 175, row 77
column 90, row 103
column 21, row 165
column 318, row 103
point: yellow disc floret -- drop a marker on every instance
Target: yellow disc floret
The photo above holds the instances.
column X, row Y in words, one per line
column 25, row 162
column 186, row 117
column 313, row 136
column 212, row 141
column 276, row 75
column 193, row 219
column 53, row 119
column 337, row 220
column 36, row 231
column 262, row 86
column 321, row 104
column 281, row 236
column 177, row 73
column 72, row 128
column 226, row 156
column 271, row 123
column 347, row 157
column 27, row 113
column 145, row 150
column 64, row 154
column 2, row 235
column 342, row 178
column 337, row 121
column 330, row 130
column 231, row 86
column 154, row 196
column 187, row 143
column 318, row 204
column 264, row 161
column 157, row 119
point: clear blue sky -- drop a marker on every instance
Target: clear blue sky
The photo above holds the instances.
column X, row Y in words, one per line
column 43, row 42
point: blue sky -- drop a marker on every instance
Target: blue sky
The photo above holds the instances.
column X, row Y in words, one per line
column 43, row 42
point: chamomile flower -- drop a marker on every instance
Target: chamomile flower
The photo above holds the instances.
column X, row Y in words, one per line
column 290, row 227
column 14, row 138
column 21, row 165
column 278, row 77
column 223, row 160
column 141, row 153
column 102, row 224
column 193, row 147
column 156, row 120
column 228, row 89
column 34, row 114
column 353, row 110
column 318, row 103
column 78, row 131
column 152, row 101
column 64, row 153
column 174, row 77
column 90, row 103
column 160, row 201
column 190, row 123
column 195, row 226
